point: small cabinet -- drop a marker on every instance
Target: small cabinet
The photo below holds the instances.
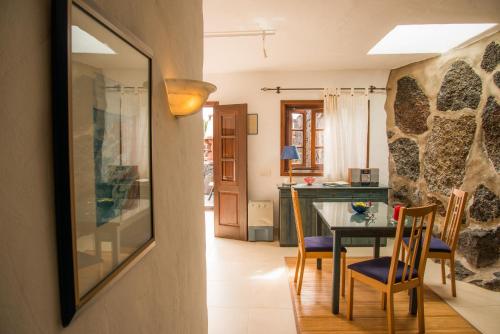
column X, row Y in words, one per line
column 320, row 193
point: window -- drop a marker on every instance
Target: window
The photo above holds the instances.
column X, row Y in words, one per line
column 302, row 126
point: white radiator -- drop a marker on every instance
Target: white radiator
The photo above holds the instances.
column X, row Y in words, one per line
column 260, row 213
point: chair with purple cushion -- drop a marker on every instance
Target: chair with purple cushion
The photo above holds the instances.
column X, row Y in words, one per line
column 312, row 247
column 444, row 247
column 389, row 275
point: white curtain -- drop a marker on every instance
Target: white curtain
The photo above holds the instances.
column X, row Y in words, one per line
column 135, row 121
column 346, row 126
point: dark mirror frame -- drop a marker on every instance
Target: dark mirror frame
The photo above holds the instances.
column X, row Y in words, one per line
column 70, row 302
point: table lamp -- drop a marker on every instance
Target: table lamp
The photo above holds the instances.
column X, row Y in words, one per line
column 289, row 153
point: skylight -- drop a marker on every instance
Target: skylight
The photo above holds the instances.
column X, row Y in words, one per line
column 427, row 38
column 83, row 42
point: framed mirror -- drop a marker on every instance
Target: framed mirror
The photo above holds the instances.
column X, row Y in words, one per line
column 102, row 151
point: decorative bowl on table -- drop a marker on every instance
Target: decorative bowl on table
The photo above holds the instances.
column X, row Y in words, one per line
column 360, row 207
column 309, row 180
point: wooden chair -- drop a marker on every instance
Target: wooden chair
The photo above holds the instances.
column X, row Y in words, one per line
column 320, row 247
column 444, row 247
column 389, row 275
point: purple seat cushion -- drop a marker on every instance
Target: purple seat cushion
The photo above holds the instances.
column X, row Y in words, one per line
column 379, row 269
column 320, row 244
column 436, row 245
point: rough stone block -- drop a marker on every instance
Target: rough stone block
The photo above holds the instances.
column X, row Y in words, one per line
column 491, row 57
column 491, row 131
column 492, row 284
column 446, row 152
column 480, row 246
column 461, row 272
column 461, row 88
column 404, row 151
column 496, row 79
column 440, row 206
column 485, row 205
column 406, row 196
column 411, row 107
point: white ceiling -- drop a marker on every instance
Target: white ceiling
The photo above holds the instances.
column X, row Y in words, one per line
column 324, row 34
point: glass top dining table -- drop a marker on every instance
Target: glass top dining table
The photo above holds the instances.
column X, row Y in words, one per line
column 342, row 221
column 341, row 215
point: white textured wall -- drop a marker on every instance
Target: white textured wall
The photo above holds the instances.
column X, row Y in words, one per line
column 166, row 291
column 264, row 148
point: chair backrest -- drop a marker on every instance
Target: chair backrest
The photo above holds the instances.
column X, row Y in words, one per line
column 298, row 219
column 418, row 243
column 453, row 219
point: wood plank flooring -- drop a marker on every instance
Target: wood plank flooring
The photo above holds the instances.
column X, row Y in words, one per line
column 313, row 315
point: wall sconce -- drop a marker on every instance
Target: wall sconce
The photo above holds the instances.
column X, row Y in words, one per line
column 186, row 96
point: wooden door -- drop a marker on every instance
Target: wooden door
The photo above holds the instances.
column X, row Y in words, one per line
column 230, row 171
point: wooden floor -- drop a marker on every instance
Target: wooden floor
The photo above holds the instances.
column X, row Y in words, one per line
column 313, row 307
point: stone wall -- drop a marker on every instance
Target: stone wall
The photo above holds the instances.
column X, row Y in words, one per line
column 443, row 129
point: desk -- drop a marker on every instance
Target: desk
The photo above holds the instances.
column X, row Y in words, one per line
column 321, row 193
column 343, row 222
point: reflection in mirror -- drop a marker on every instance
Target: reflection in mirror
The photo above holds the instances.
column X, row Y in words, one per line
column 110, row 150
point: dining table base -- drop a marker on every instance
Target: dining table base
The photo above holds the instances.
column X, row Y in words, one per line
column 337, row 246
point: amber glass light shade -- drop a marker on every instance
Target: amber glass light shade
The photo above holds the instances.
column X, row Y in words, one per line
column 186, row 96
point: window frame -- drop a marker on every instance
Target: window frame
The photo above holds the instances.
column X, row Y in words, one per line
column 314, row 130
column 286, row 135
column 290, row 136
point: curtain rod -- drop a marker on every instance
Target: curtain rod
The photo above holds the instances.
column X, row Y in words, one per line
column 278, row 89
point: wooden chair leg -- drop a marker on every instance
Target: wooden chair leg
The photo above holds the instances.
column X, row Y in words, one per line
column 350, row 296
column 384, row 300
column 390, row 313
column 420, row 309
column 343, row 268
column 297, row 268
column 403, row 253
column 452, row 274
column 301, row 274
column 443, row 271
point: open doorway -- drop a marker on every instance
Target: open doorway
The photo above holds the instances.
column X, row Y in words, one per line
column 208, row 155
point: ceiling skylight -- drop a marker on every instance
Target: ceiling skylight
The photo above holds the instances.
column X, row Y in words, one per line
column 427, row 38
column 83, row 42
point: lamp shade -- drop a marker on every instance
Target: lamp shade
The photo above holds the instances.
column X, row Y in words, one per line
column 289, row 153
column 187, row 96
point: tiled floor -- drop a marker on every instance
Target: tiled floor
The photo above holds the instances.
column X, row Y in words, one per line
column 248, row 288
column 479, row 306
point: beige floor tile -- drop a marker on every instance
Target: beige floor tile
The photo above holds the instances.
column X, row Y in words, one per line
column 265, row 294
column 248, row 282
column 486, row 319
column 227, row 320
column 228, row 294
column 240, row 270
column 273, row 321
column 468, row 295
